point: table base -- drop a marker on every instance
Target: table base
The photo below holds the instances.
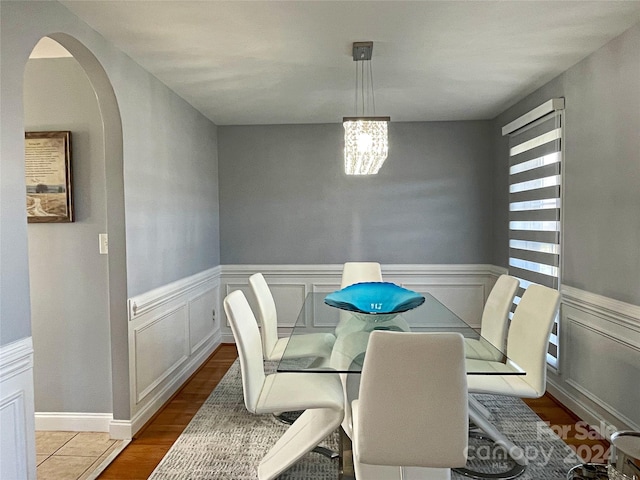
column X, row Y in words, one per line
column 346, row 468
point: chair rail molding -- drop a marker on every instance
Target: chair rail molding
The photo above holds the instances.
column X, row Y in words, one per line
column 624, row 314
column 17, row 443
column 172, row 330
column 600, row 352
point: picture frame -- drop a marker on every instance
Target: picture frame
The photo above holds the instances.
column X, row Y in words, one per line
column 48, row 177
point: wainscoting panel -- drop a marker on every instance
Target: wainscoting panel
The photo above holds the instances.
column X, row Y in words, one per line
column 172, row 330
column 202, row 317
column 462, row 288
column 17, row 442
column 288, row 297
column 474, row 296
column 599, row 360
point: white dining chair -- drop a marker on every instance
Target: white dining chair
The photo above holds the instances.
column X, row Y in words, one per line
column 495, row 320
column 319, row 395
column 411, row 418
column 356, row 272
column 307, row 345
column 527, row 344
column 353, row 272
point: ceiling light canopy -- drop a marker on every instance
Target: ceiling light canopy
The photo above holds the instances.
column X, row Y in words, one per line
column 366, row 143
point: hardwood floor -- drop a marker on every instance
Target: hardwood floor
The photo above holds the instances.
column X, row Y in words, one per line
column 142, row 455
column 584, row 440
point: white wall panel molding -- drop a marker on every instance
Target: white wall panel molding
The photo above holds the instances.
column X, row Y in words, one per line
column 332, row 270
column 600, row 363
column 17, row 442
column 631, row 340
column 567, row 396
column 172, row 331
column 628, row 422
column 157, row 297
column 624, row 314
column 463, row 288
column 202, row 316
column 288, row 295
column 16, row 358
column 600, row 342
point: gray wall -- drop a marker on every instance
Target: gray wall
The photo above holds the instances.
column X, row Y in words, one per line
column 284, row 197
column 161, row 176
column 171, row 187
column 68, row 276
column 601, row 170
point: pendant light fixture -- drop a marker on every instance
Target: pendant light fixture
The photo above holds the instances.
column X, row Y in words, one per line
column 366, row 142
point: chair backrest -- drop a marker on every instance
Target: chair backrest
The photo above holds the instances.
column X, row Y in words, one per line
column 356, row 272
column 495, row 316
column 528, row 338
column 247, row 336
column 267, row 314
column 413, row 405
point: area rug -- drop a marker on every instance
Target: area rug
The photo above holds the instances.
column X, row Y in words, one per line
column 224, row 441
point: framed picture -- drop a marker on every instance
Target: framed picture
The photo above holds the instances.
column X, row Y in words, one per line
column 48, row 177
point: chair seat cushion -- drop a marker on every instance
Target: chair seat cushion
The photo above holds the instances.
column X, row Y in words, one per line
column 285, row 392
column 480, row 349
column 303, row 346
column 512, row 385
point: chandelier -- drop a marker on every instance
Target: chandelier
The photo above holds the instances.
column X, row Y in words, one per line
column 366, row 143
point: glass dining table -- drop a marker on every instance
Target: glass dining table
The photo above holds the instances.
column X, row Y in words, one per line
column 344, row 336
column 352, row 330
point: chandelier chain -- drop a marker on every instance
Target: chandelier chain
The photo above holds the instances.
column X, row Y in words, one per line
column 366, row 144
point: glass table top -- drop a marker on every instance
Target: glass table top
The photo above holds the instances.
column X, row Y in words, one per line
column 338, row 339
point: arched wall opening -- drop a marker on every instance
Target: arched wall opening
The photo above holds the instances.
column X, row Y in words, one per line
column 67, row 274
column 115, row 223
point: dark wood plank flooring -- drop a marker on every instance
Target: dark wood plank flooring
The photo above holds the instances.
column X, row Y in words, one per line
column 142, row 455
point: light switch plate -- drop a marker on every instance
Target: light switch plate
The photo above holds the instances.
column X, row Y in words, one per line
column 104, row 243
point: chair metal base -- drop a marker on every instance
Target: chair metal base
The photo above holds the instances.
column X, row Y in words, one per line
column 514, row 472
column 290, row 417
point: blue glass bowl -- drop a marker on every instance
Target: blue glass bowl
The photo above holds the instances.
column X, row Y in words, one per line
column 375, row 298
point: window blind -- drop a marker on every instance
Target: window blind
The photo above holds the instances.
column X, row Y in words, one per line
column 535, row 203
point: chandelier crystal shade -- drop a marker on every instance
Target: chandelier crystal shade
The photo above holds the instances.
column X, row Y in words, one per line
column 366, row 140
column 365, row 144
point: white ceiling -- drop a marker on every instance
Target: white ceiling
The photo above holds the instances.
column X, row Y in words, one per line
column 272, row 62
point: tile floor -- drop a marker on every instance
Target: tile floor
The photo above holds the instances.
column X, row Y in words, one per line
column 72, row 455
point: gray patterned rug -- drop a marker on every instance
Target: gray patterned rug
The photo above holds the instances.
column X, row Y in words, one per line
column 224, row 441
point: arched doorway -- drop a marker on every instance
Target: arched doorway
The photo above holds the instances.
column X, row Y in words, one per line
column 112, row 184
column 67, row 276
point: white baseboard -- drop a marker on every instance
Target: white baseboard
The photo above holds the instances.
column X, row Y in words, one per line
column 120, row 430
column 603, row 425
column 73, row 422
